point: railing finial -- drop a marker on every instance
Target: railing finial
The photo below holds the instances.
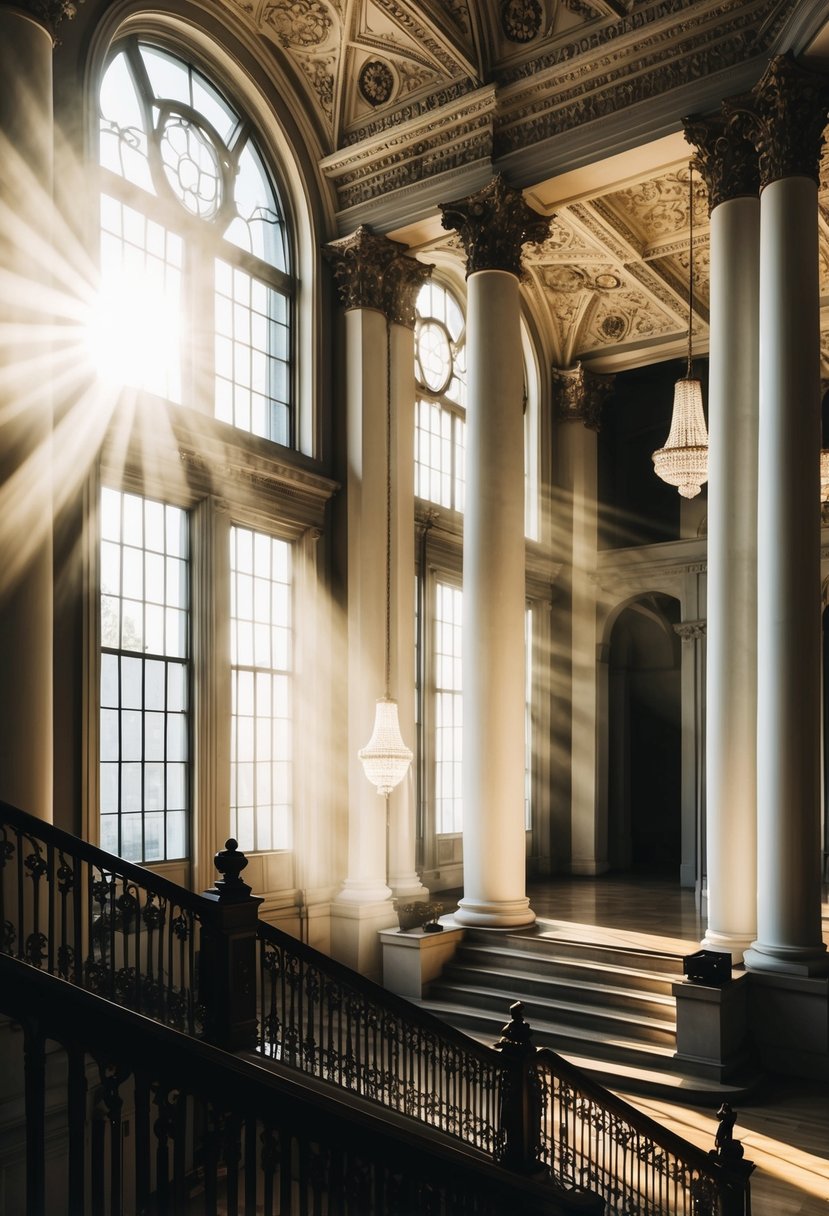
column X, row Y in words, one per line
column 230, row 862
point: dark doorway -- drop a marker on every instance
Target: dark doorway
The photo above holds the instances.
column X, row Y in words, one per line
column 645, row 756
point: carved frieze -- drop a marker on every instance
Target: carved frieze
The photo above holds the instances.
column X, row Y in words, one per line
column 785, row 115
column 494, row 224
column 579, row 395
column 727, row 161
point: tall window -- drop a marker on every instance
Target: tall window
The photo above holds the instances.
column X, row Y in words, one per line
column 448, row 709
column 261, row 770
column 144, row 725
column 440, row 369
column 195, row 260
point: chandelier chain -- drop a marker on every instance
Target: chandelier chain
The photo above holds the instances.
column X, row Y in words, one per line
column 690, row 260
column 388, row 510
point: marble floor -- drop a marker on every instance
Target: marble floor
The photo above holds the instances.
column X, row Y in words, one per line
column 785, row 1128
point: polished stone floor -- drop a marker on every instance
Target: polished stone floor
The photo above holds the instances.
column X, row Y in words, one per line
column 785, row 1128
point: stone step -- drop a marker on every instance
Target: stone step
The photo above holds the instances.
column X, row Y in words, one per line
column 570, row 969
column 586, row 1021
column 573, row 986
column 546, row 945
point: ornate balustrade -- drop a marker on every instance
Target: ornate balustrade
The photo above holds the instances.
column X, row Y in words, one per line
column 205, row 965
column 323, row 1019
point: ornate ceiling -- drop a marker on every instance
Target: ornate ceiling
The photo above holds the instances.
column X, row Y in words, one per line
column 415, row 103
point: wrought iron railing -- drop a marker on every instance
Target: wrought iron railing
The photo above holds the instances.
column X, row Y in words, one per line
column 205, row 965
column 592, row 1139
column 106, row 925
column 326, row 1020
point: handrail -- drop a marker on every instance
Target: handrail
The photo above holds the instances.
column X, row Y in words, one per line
column 213, row 1131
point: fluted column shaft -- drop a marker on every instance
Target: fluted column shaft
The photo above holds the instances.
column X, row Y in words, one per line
column 493, row 226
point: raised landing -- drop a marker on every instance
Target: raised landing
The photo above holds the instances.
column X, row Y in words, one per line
column 599, row 995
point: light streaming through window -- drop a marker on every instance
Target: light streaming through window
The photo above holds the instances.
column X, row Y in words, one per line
column 195, row 267
column 144, row 714
column 440, row 370
column 261, row 644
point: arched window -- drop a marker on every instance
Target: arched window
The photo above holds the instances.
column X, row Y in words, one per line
column 195, row 255
column 440, row 370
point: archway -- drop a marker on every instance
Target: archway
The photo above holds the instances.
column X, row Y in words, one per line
column 645, row 735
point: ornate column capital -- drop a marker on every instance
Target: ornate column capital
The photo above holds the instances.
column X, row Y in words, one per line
column 726, row 159
column 49, row 13
column 402, row 280
column 579, row 395
column 493, row 226
column 785, row 115
column 691, row 631
column 359, row 263
column 372, row 272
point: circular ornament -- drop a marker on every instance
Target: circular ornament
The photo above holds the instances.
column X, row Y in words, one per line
column 376, row 82
column 521, row 19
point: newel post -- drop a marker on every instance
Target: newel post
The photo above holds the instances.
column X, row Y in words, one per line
column 520, row 1096
column 227, row 981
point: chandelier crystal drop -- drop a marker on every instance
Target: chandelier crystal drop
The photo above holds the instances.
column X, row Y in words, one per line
column 386, row 758
column 683, row 462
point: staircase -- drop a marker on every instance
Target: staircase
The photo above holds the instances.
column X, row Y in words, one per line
column 606, row 1007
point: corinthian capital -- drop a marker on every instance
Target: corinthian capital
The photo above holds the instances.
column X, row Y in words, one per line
column 402, row 280
column 785, row 117
column 359, row 263
column 49, row 13
column 726, row 159
column 579, row 395
column 493, row 226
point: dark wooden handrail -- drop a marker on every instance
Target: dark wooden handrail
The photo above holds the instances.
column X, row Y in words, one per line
column 208, row 1126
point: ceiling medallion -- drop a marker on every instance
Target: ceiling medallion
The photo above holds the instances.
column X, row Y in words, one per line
column 614, row 327
column 521, row 19
column 376, row 82
column 607, row 282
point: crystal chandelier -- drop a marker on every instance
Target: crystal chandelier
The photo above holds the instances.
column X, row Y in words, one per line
column 386, row 758
column 683, row 462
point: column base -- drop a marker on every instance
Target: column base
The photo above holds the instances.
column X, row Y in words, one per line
column 355, row 931
column 734, row 944
column 356, row 891
column 408, row 887
column 788, row 960
column 495, row 914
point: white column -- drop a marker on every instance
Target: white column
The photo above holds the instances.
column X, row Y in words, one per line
column 788, row 585
column 402, row 876
column 366, row 496
column 494, row 843
column 731, row 673
column 26, row 595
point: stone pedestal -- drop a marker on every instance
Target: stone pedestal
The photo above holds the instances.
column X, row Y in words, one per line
column 712, row 1027
column 412, row 959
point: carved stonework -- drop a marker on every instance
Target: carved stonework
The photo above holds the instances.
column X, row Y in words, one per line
column 493, row 225
column 376, row 82
column 691, row 631
column 726, row 160
column 521, row 19
column 402, row 281
column 50, row 13
column 579, row 395
column 359, row 263
column 785, row 115
column 373, row 272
